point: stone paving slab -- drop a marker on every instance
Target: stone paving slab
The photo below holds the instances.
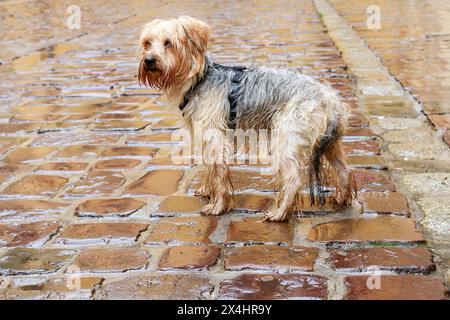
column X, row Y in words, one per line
column 194, row 230
column 380, row 229
column 414, row 260
column 53, row 288
column 33, row 234
column 256, row 287
column 402, row 287
column 157, row 287
column 111, row 259
column 22, row 261
column 271, row 258
column 120, row 207
column 189, row 258
column 100, row 233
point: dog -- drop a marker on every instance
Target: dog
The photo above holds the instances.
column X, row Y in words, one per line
column 307, row 115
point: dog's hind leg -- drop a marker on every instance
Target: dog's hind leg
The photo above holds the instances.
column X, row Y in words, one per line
column 289, row 151
column 298, row 128
column 290, row 181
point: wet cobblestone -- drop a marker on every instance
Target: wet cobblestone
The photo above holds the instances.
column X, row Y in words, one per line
column 87, row 183
column 411, row 87
column 405, row 48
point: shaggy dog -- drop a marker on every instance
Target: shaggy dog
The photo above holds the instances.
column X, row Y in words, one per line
column 307, row 116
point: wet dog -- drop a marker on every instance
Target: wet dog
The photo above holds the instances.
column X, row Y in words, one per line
column 307, row 116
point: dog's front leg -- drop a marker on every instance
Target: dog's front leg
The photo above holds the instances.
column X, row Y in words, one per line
column 217, row 179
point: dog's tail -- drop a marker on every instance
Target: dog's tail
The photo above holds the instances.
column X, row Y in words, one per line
column 318, row 177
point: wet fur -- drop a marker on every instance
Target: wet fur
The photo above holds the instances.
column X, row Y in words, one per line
column 307, row 115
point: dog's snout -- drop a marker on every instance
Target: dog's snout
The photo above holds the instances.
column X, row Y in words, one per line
column 149, row 62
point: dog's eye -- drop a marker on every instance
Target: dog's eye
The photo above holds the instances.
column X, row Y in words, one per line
column 147, row 44
column 167, row 43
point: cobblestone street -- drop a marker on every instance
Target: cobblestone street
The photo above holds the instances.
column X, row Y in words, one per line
column 92, row 205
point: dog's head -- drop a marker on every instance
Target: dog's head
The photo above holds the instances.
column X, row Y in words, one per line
column 172, row 51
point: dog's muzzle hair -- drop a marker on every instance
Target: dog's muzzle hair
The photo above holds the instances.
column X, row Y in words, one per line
column 149, row 74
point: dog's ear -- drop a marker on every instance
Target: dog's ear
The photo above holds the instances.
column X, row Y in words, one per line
column 196, row 31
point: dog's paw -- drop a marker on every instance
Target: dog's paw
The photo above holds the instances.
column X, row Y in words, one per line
column 275, row 216
column 212, row 210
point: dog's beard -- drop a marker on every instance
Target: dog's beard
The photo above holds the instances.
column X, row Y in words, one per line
column 160, row 78
column 155, row 79
column 165, row 76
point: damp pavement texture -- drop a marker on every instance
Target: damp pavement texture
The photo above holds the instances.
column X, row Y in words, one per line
column 93, row 207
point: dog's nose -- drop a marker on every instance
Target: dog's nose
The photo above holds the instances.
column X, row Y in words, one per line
column 149, row 62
